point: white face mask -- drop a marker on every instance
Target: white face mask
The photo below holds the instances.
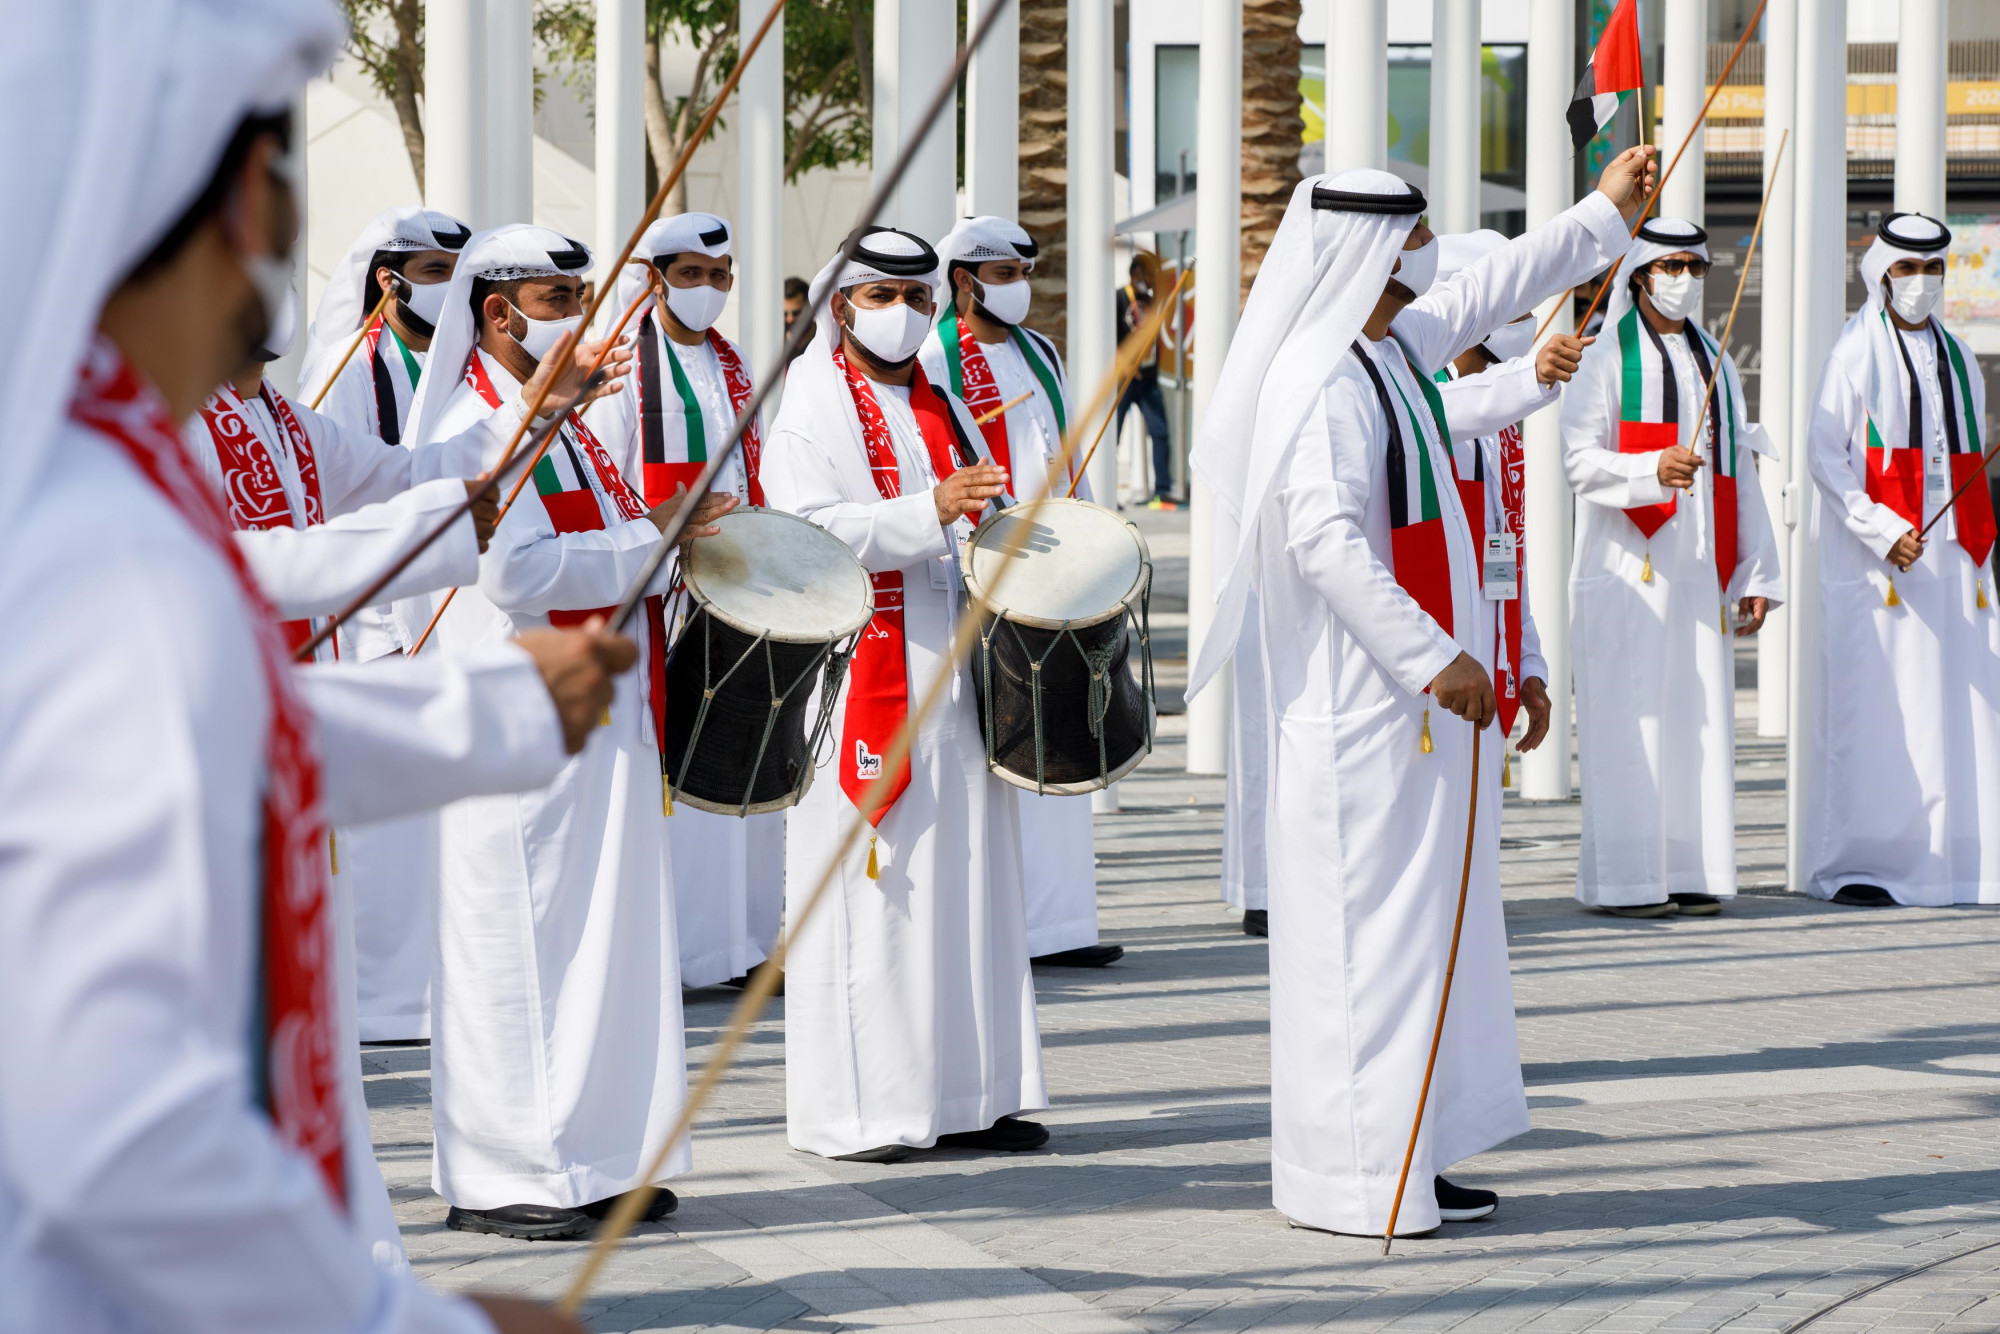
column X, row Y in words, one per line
column 696, row 307
column 1008, row 302
column 543, row 334
column 425, row 300
column 1915, row 297
column 1419, row 267
column 1511, row 340
column 892, row 333
column 284, row 328
column 1677, row 297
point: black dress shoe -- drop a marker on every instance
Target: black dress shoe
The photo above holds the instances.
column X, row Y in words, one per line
column 1007, row 1135
column 1667, row 909
column 1086, row 956
column 1696, row 905
column 1864, row 896
column 523, row 1222
column 1256, row 922
column 1457, row 1204
column 663, row 1203
column 888, row 1153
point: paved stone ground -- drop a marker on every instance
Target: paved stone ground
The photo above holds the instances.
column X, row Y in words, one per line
column 1737, row 1122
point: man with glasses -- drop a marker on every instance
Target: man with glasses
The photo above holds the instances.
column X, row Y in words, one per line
column 1669, row 544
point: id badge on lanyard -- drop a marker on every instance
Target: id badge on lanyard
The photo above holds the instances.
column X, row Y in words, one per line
column 1500, row 572
column 1937, row 476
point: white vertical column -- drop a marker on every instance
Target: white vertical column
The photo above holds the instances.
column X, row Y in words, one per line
column 760, row 192
column 1455, row 84
column 1357, row 84
column 455, row 109
column 1920, row 80
column 1774, row 393
column 1091, row 320
column 1218, row 277
column 1551, row 188
column 1819, row 298
column 1684, row 75
column 915, row 42
column 510, row 111
column 621, row 133
column 993, row 114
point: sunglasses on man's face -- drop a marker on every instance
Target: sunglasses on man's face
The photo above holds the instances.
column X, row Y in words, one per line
column 1674, row 268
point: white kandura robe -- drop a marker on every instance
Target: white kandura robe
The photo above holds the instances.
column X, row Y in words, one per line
column 1904, row 751
column 130, row 824
column 1058, row 843
column 557, row 1059
column 1655, row 669
column 909, row 1004
column 727, row 899
column 1365, row 834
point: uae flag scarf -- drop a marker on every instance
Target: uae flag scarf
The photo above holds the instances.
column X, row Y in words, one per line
column 1649, row 420
column 972, row 382
column 295, row 1063
column 1472, row 495
column 253, row 493
column 1419, row 550
column 1898, row 425
column 673, row 436
column 878, row 679
column 388, row 415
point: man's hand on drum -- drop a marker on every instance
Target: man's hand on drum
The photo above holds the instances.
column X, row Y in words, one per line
column 701, row 523
column 967, row 491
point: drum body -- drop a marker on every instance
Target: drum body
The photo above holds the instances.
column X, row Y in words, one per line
column 770, row 611
column 1059, row 707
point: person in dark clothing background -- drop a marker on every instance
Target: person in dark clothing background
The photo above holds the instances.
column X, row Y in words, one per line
column 1133, row 301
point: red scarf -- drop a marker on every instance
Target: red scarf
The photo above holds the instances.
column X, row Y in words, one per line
column 253, row 495
column 878, row 678
column 982, row 393
column 1472, row 493
column 740, row 389
column 298, row 1064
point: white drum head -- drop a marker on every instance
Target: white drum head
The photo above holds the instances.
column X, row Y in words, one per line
column 1079, row 565
column 772, row 573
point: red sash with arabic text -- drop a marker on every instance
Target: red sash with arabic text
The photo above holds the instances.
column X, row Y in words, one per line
column 253, row 495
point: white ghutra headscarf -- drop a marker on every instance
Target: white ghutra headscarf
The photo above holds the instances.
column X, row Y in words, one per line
column 350, row 291
column 681, row 234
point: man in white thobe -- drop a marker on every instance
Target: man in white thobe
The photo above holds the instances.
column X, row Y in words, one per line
column 1667, row 544
column 172, row 1149
column 390, row 869
column 1339, row 511
column 909, row 1004
column 557, row 1060
column 676, row 409
column 1903, row 746
column 984, row 358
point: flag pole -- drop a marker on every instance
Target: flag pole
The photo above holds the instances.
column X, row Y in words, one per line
column 1742, row 279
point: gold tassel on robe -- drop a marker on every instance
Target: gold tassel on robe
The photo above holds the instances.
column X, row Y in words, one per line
column 1506, row 769
column 1646, row 572
column 1982, row 595
column 1424, row 746
column 1892, row 600
column 666, row 798
column 333, row 851
column 604, row 718
column 874, row 871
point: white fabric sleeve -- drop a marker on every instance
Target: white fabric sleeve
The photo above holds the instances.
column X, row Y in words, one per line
column 1323, row 502
column 400, row 737
column 899, row 534
column 1597, row 471
column 1496, row 398
column 133, row 1142
column 317, row 571
column 1511, row 279
column 530, row 569
column 1757, row 573
column 1836, row 419
column 1532, row 662
column 356, row 469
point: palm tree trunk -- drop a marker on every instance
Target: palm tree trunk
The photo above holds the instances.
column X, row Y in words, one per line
column 409, row 84
column 659, row 130
column 1044, row 141
column 1272, row 124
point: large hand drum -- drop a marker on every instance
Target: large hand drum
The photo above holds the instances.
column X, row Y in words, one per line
column 1059, row 707
column 774, row 608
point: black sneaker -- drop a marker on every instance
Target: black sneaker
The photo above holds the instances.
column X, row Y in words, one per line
column 522, row 1222
column 663, row 1203
column 1696, row 905
column 1084, row 956
column 1007, row 1135
column 1864, row 896
column 1256, row 922
column 1456, row 1204
column 888, row 1153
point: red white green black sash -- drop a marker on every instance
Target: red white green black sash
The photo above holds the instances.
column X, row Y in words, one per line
column 972, row 381
column 295, row 1061
column 673, row 435
column 1420, row 552
column 1473, row 495
column 252, row 488
column 1896, row 473
column 878, row 678
column 388, row 416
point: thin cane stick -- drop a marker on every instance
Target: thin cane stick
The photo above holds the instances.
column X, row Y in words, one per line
column 359, row 335
column 1444, row 999
column 1083, row 469
column 1742, row 281
column 1647, row 206
column 1963, row 487
column 995, row 414
column 529, row 471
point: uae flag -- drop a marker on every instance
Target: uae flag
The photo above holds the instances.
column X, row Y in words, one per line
column 1613, row 72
